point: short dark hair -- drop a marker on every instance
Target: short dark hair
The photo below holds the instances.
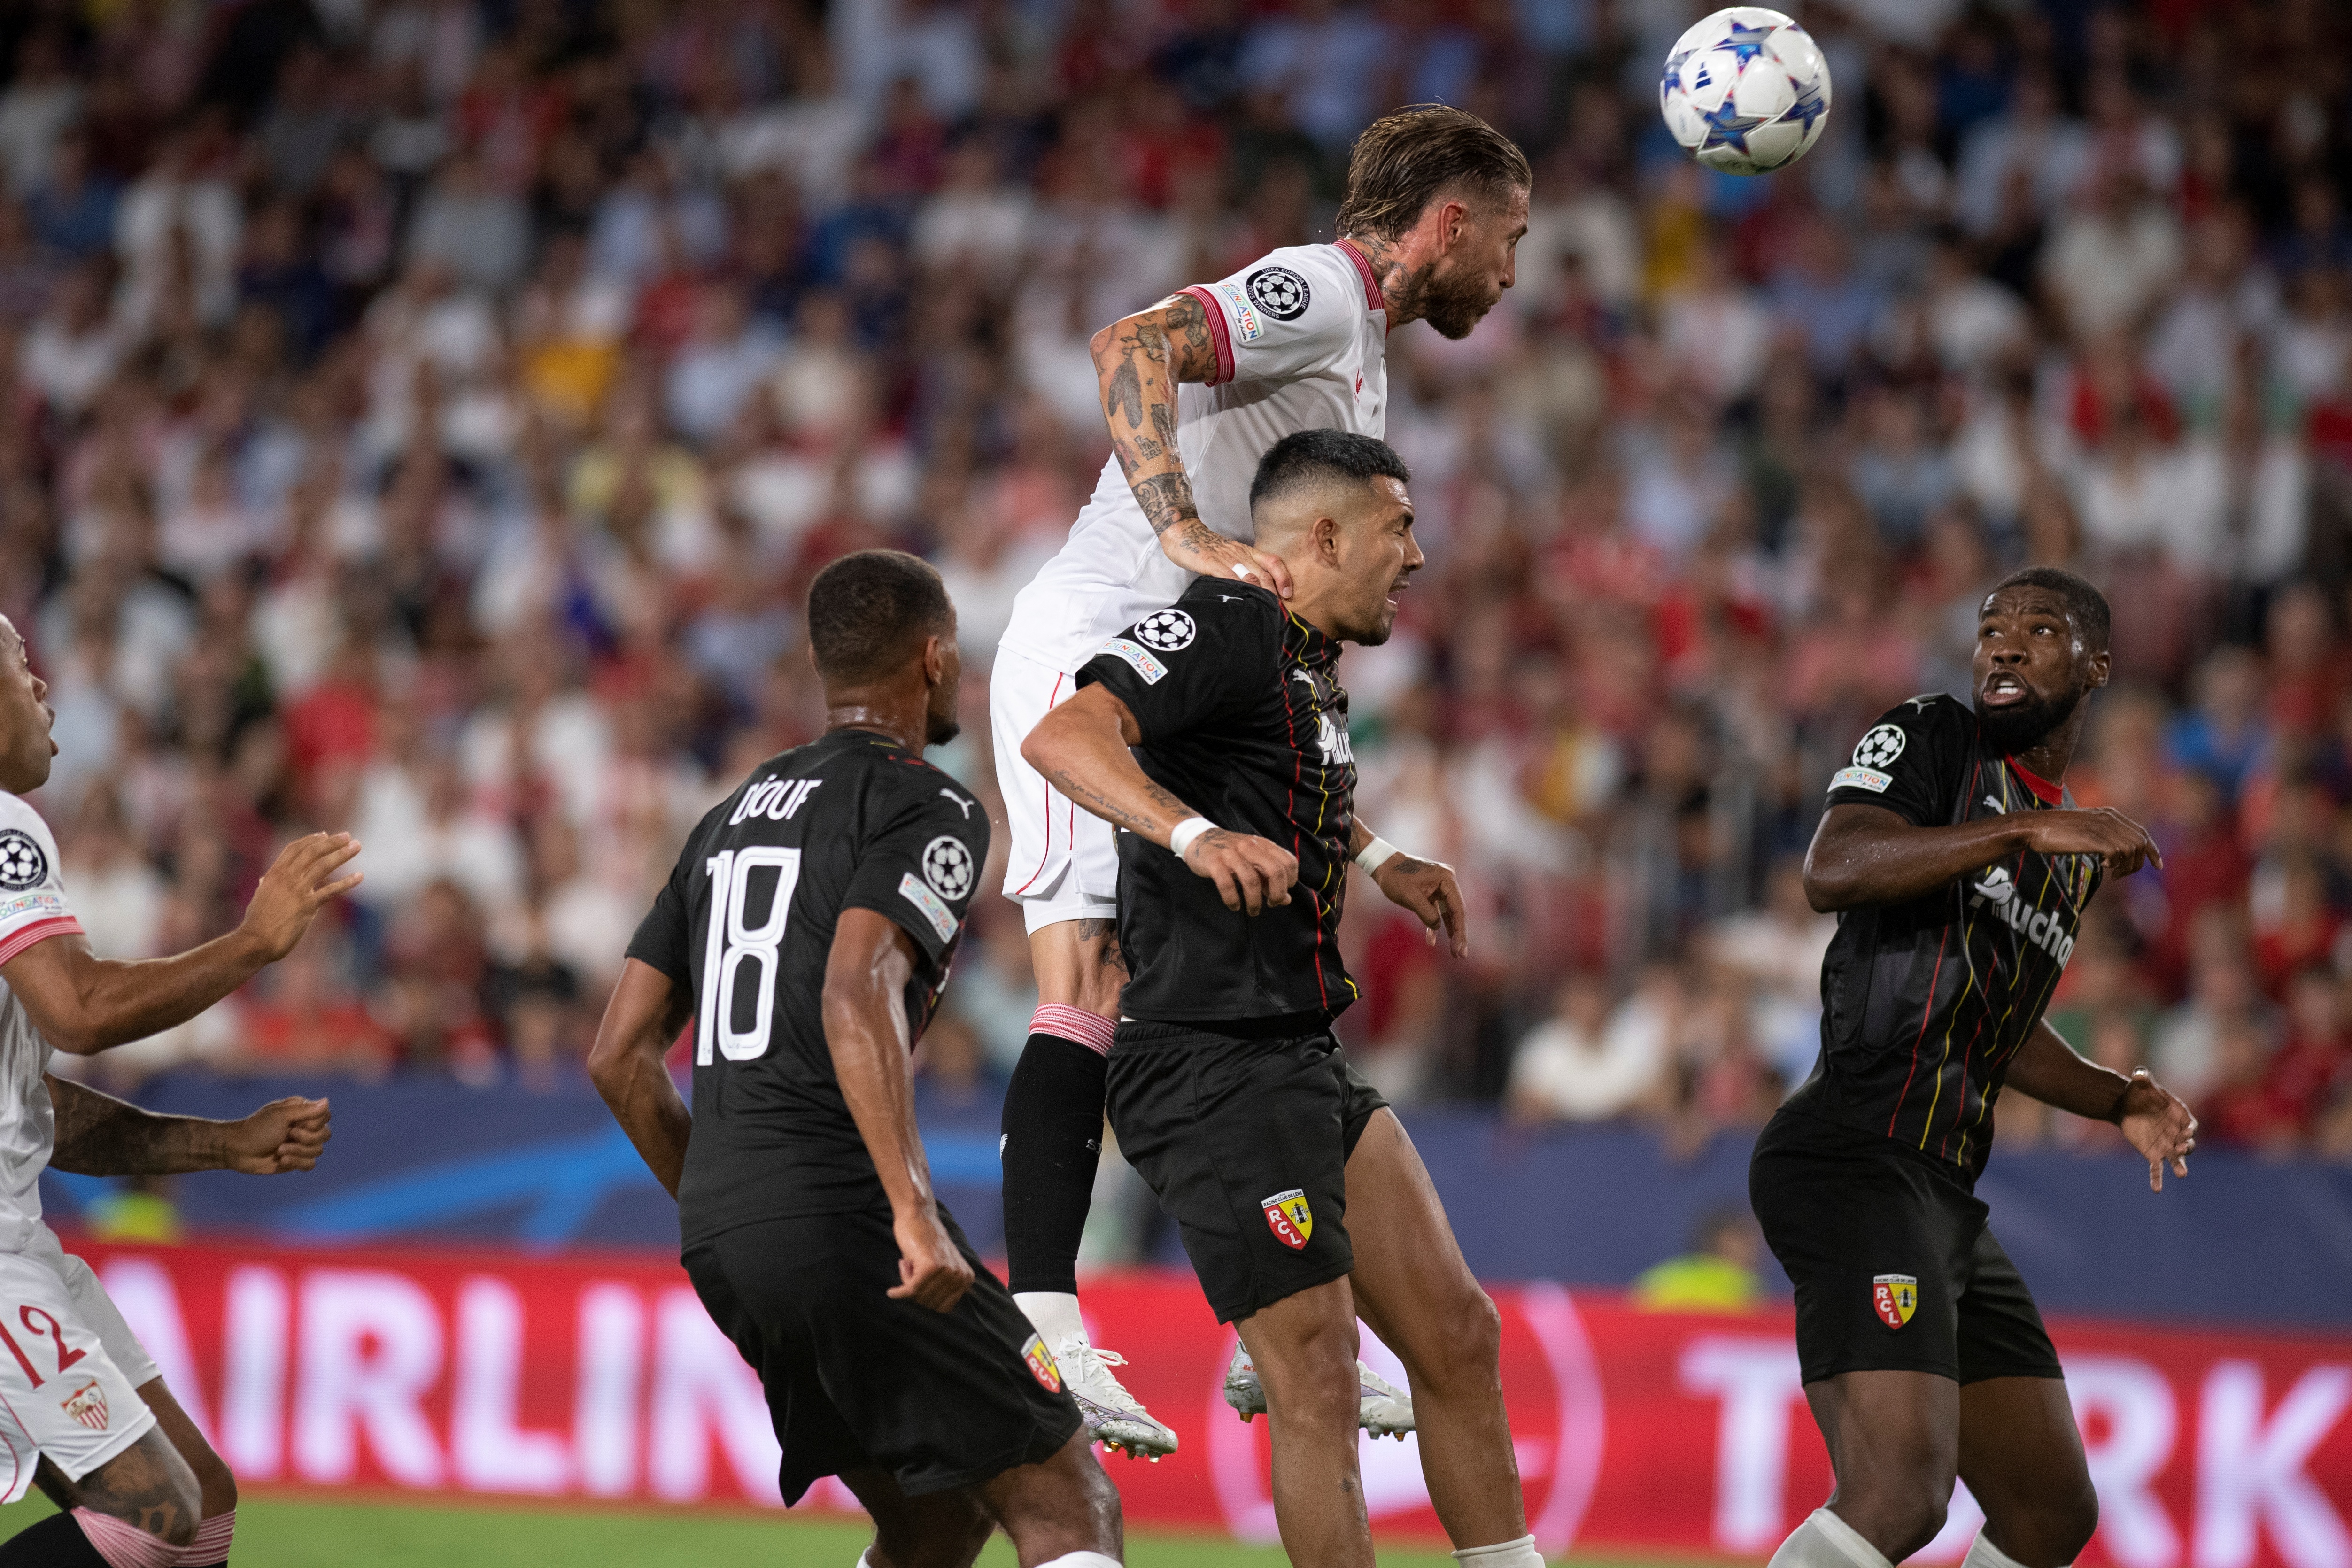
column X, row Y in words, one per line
column 1308, row 458
column 867, row 612
column 2087, row 607
column 1406, row 159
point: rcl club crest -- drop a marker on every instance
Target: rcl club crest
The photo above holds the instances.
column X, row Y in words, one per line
column 87, row 1405
column 1040, row 1364
column 1287, row 1216
column 1895, row 1297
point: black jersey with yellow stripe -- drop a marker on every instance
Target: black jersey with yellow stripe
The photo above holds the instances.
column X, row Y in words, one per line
column 1925, row 1003
column 1243, row 720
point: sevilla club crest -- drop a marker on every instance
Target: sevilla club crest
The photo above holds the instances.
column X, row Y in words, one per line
column 1040, row 1364
column 1287, row 1216
column 87, row 1405
column 1895, row 1297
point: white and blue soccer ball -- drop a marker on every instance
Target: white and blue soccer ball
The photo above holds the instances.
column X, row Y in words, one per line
column 1746, row 92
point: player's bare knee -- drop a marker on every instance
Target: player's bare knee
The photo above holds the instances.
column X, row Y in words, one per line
column 1467, row 1353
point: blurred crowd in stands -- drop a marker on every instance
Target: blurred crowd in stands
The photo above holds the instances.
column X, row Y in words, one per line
column 425, row 417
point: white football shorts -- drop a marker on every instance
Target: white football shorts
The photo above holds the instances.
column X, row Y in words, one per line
column 70, row 1368
column 1064, row 862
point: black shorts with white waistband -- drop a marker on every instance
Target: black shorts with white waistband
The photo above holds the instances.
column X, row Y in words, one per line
column 1243, row 1131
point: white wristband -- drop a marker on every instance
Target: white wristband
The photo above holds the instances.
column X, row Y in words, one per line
column 1180, row 837
column 1376, row 854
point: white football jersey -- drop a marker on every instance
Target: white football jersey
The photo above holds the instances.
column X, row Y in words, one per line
column 1302, row 343
column 32, row 909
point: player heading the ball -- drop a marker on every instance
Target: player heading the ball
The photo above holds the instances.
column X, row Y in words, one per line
column 1195, row 389
column 1220, row 754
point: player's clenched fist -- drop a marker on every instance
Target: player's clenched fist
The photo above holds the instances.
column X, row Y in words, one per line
column 1251, row 873
column 933, row 1271
column 296, row 888
column 284, row 1135
column 2103, row 831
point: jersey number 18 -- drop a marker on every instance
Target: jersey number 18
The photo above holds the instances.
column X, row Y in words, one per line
column 733, row 943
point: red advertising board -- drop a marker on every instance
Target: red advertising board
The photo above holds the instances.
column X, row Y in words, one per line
column 602, row 1378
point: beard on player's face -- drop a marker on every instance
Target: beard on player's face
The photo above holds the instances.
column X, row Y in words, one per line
column 1455, row 300
column 2021, row 726
column 940, row 727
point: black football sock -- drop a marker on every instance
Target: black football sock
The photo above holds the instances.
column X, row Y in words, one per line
column 56, row 1542
column 1052, row 1139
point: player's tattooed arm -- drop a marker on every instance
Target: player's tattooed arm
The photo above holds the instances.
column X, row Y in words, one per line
column 1139, row 361
column 644, row 1016
column 2153, row 1119
column 98, row 1134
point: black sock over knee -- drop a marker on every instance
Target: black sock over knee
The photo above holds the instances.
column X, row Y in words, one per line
column 1052, row 1139
column 56, row 1543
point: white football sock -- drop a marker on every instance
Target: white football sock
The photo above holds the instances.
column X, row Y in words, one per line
column 1520, row 1553
column 1054, row 1315
column 1825, row 1540
column 1983, row 1554
column 1081, row 1559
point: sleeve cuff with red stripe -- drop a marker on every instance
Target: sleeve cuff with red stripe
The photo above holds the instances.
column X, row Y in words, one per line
column 1219, row 331
column 39, row 931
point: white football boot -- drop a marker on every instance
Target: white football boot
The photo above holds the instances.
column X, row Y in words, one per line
column 1114, row 1418
column 1382, row 1410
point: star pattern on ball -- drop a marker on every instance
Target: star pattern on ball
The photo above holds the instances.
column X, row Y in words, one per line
column 1810, row 105
column 1673, row 80
column 1726, row 127
column 1744, row 42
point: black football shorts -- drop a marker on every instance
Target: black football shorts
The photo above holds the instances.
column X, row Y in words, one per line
column 1246, row 1143
column 1894, row 1267
column 857, row 1381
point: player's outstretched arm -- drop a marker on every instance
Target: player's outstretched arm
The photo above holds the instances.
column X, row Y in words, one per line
column 83, row 1004
column 1427, row 888
column 645, row 1014
column 2151, row 1116
column 1139, row 361
column 101, row 1135
column 866, row 979
column 1864, row 856
column 1082, row 747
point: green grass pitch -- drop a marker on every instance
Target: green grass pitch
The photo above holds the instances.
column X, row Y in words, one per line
column 308, row 1532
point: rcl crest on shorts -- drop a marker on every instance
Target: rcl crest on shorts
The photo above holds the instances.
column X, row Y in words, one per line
column 1042, row 1365
column 87, row 1405
column 1895, row 1297
column 1287, row 1216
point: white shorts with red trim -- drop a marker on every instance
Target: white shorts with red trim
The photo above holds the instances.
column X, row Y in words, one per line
column 1064, row 862
column 70, row 1368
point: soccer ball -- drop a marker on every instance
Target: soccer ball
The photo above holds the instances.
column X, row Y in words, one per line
column 1746, row 92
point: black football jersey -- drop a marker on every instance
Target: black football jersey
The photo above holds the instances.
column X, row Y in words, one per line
column 746, row 923
column 1923, row 1003
column 1243, row 720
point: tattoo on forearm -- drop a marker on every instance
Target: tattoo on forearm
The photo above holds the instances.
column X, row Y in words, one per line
column 98, row 1134
column 1124, row 394
column 1167, row 501
column 1103, row 805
